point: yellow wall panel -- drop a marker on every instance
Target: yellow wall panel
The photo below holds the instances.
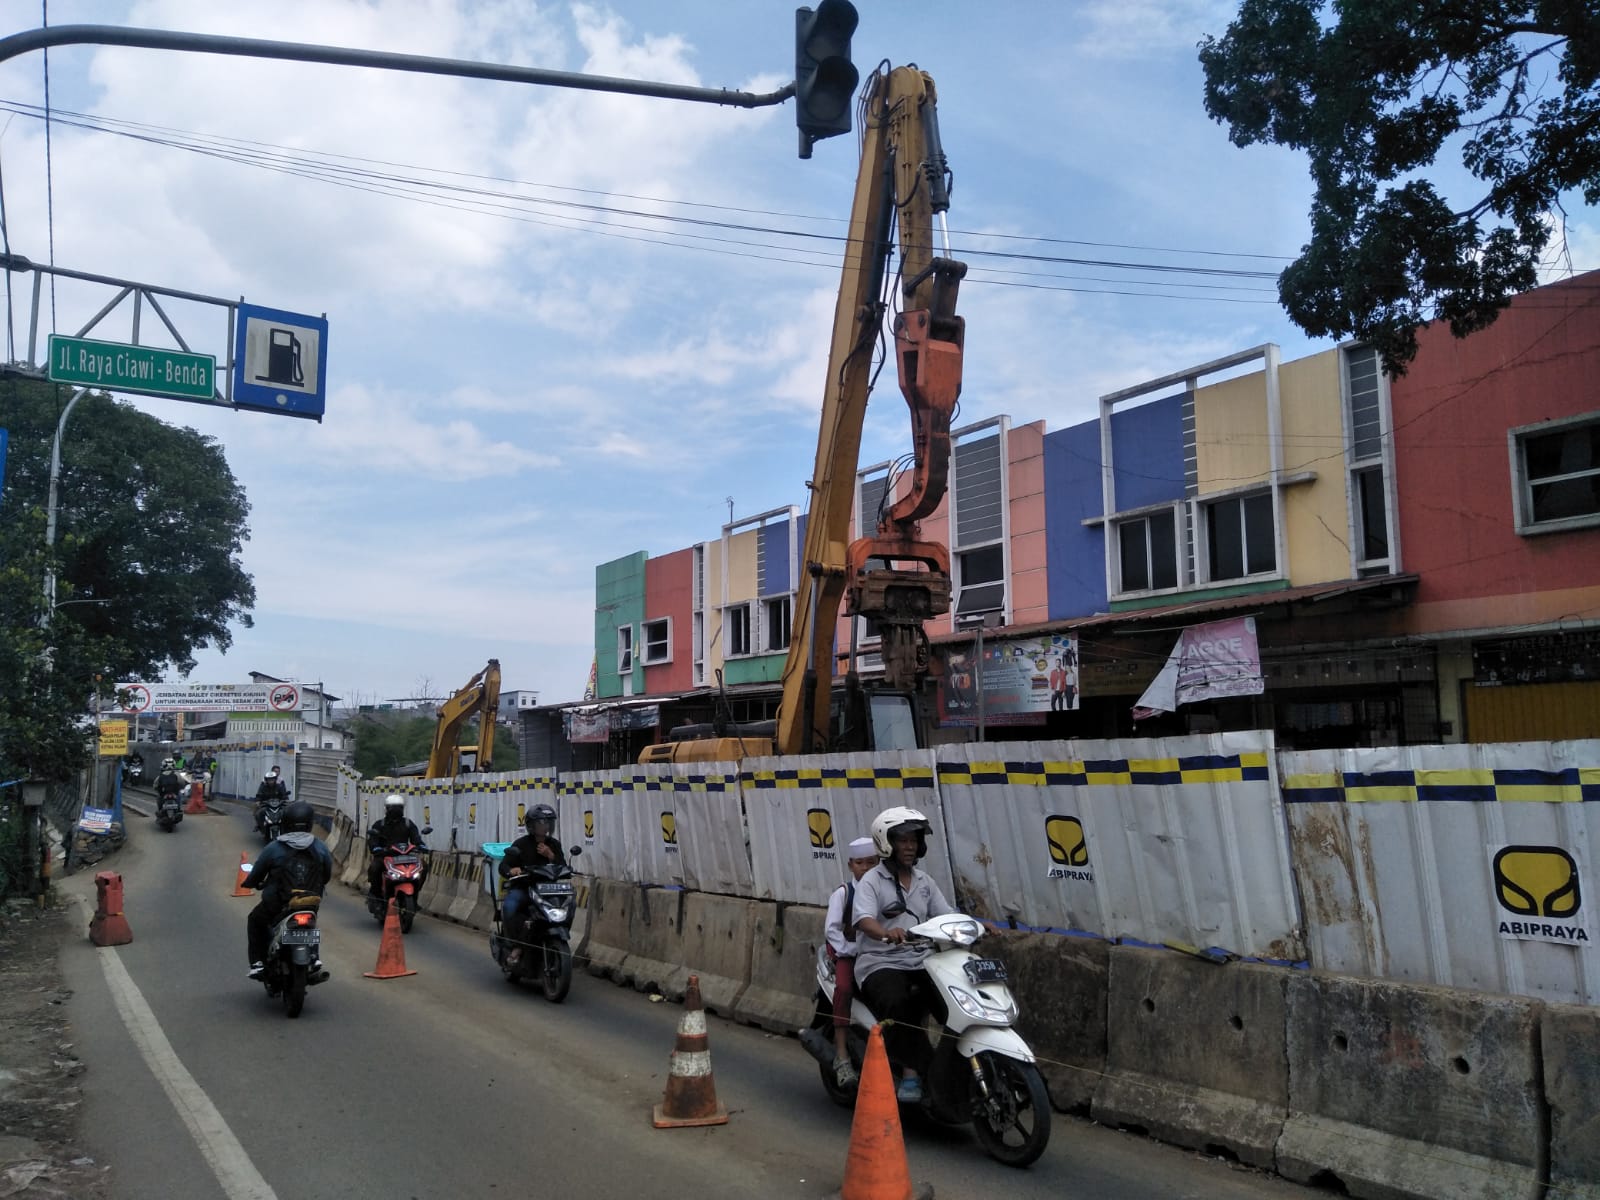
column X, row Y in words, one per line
column 713, row 609
column 743, row 551
column 1316, row 515
column 1230, row 427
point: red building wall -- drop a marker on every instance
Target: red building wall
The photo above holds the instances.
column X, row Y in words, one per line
column 669, row 592
column 1451, row 413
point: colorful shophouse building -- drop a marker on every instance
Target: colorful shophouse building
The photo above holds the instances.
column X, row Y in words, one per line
column 1420, row 556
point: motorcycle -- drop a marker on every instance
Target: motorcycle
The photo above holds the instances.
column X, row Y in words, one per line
column 133, row 771
column 169, row 810
column 405, row 868
column 981, row 1071
column 546, row 936
column 269, row 820
column 293, row 959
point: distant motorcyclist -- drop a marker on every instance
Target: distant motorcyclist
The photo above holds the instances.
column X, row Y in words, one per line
column 271, row 791
column 533, row 849
column 171, row 781
column 392, row 829
column 295, row 866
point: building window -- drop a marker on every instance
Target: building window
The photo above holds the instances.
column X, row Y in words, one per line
column 736, row 623
column 1147, row 550
column 977, row 498
column 1240, row 539
column 624, row 649
column 1364, row 384
column 779, row 617
column 658, row 641
column 1555, row 469
column 980, row 582
column 1372, row 521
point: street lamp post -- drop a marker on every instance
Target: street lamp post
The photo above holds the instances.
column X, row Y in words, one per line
column 50, row 512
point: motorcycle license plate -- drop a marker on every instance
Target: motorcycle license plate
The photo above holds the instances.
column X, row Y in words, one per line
column 986, row 970
column 404, row 860
column 554, row 889
column 299, row 937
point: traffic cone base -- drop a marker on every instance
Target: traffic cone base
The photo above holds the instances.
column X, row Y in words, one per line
column 392, row 950
column 691, row 1096
column 239, row 888
column 875, row 1168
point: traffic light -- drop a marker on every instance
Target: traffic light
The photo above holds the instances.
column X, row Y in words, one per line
column 824, row 77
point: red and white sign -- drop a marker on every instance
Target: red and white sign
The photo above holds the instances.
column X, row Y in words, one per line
column 138, row 698
column 210, row 697
column 284, row 697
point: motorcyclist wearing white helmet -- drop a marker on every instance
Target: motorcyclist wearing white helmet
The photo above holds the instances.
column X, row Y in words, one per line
column 391, row 829
column 891, row 899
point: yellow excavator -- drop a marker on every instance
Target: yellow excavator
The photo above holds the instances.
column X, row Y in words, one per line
column 893, row 578
column 480, row 697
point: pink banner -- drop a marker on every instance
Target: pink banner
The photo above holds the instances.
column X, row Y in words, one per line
column 1210, row 661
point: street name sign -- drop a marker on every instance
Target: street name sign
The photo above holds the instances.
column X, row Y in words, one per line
column 121, row 368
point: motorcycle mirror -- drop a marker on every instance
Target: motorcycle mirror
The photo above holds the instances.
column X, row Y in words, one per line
column 574, row 851
column 427, row 829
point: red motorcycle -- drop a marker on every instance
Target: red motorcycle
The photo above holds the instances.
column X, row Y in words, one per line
column 405, row 867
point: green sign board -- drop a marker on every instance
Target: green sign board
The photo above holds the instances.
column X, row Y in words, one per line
column 120, row 368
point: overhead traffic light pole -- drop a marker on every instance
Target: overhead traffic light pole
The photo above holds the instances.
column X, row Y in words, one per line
column 203, row 43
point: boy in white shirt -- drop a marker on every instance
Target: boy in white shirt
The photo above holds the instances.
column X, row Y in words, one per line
column 841, row 937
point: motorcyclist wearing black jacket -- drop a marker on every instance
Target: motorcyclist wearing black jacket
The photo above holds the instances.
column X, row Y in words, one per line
column 392, row 829
column 170, row 782
column 534, row 849
column 272, row 789
column 296, row 863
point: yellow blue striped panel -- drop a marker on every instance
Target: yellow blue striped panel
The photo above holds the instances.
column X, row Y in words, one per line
column 1570, row 785
column 893, row 778
column 1204, row 768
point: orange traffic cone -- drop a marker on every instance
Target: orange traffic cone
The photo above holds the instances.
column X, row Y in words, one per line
column 239, row 888
column 392, row 950
column 691, row 1097
column 875, row 1168
column 196, row 804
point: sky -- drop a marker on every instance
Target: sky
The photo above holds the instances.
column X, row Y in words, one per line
column 530, row 370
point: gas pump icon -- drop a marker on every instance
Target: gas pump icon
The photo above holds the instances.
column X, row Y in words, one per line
column 283, row 358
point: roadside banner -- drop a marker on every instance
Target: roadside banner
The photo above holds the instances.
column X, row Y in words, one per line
column 1210, row 661
column 113, row 738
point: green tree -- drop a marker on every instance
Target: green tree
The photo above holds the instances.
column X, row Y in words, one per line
column 149, row 529
column 1375, row 91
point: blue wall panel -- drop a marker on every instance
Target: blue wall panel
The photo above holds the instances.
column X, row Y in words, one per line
column 775, row 557
column 1147, row 447
column 1074, row 553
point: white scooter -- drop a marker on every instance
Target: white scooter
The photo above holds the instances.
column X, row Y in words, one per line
column 981, row 1071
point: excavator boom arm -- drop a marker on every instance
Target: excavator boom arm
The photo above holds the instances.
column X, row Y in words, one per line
column 480, row 696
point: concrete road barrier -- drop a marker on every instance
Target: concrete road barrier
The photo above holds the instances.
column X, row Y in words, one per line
column 717, row 931
column 1405, row 1092
column 783, row 976
column 1195, row 1052
column 1569, row 1035
column 610, row 916
column 1060, row 984
column 656, row 960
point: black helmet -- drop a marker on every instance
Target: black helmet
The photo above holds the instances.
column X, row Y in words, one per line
column 297, row 817
column 540, row 812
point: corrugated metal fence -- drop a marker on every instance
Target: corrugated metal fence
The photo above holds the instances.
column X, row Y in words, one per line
column 1460, row 865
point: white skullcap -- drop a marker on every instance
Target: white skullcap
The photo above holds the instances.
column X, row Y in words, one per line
column 863, row 848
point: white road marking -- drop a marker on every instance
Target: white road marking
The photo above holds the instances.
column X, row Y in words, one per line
column 229, row 1163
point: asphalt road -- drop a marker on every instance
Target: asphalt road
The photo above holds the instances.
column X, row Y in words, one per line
column 453, row 1082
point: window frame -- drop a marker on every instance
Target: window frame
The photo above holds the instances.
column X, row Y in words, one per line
column 647, row 656
column 1359, row 465
column 1143, row 516
column 625, row 646
column 1208, row 507
column 729, row 628
column 770, row 628
column 1522, row 485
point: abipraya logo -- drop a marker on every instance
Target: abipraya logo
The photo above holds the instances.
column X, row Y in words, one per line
column 588, row 826
column 669, row 832
column 1069, row 852
column 1540, row 894
column 819, row 825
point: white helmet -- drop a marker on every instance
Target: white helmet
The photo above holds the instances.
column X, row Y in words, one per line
column 895, row 820
column 394, row 800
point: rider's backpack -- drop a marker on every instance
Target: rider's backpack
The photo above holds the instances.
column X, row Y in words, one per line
column 302, row 877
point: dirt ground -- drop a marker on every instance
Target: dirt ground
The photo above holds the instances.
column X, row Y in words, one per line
column 40, row 1094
